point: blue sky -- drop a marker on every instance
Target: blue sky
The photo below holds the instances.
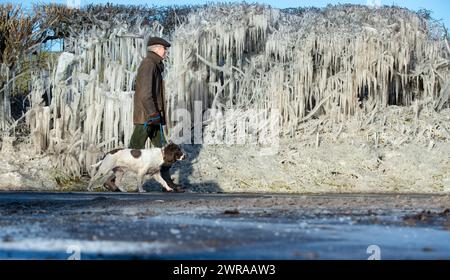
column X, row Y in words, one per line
column 440, row 8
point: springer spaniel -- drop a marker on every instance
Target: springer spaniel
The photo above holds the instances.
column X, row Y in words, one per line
column 142, row 162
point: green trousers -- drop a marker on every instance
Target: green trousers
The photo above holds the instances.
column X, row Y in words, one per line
column 141, row 134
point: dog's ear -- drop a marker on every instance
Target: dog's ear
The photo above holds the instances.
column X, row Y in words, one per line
column 174, row 156
column 169, row 154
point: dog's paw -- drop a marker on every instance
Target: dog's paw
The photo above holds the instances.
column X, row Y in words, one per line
column 142, row 191
column 179, row 190
column 168, row 190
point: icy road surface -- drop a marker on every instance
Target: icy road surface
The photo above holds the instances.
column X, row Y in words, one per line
column 223, row 226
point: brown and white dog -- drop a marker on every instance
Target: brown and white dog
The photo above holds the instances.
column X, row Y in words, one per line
column 143, row 162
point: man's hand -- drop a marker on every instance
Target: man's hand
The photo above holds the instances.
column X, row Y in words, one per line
column 154, row 119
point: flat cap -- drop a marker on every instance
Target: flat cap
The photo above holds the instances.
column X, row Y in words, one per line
column 157, row 41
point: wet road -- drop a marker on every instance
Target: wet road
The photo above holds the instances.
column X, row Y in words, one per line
column 223, row 226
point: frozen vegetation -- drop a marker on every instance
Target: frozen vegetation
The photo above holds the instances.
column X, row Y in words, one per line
column 362, row 95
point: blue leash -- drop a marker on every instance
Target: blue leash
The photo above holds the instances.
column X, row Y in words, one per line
column 161, row 131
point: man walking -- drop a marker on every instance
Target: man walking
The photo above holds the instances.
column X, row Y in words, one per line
column 149, row 115
column 149, row 96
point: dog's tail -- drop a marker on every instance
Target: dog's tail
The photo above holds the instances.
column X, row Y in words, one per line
column 94, row 168
column 97, row 164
